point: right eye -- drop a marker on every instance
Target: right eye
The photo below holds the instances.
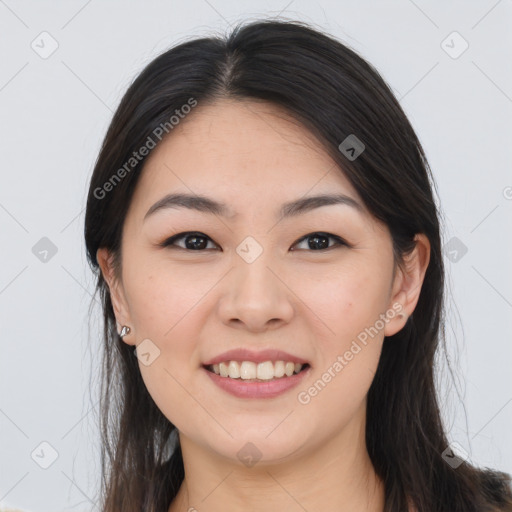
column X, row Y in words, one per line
column 194, row 241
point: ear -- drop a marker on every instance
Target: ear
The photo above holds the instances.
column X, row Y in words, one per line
column 117, row 295
column 407, row 284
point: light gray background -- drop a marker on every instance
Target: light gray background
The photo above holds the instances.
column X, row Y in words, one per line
column 54, row 114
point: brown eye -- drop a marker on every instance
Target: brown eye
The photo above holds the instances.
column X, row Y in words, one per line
column 194, row 241
column 320, row 241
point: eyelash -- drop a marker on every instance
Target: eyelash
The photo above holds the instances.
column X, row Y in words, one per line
column 170, row 241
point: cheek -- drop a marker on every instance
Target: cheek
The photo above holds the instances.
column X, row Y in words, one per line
column 164, row 307
column 161, row 298
column 348, row 356
column 346, row 300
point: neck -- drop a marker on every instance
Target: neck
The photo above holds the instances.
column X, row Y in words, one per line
column 337, row 475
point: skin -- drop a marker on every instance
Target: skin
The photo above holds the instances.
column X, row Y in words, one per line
column 312, row 303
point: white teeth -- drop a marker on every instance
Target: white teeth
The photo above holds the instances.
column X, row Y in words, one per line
column 234, row 370
column 246, row 370
column 265, row 371
column 223, row 369
column 279, row 369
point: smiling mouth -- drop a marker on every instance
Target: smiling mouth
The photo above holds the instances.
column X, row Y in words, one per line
column 249, row 371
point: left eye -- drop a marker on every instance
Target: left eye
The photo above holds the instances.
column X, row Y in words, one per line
column 320, row 241
column 195, row 241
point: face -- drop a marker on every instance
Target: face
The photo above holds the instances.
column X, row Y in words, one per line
column 310, row 283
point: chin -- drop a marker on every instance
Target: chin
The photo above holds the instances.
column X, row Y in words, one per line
column 255, row 446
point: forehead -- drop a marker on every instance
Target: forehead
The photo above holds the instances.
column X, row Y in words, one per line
column 238, row 150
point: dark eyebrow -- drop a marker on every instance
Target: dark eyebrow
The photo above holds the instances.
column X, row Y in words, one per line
column 208, row 205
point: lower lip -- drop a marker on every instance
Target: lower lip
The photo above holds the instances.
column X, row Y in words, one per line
column 269, row 389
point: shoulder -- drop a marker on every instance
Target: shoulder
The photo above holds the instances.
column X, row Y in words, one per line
column 496, row 489
column 492, row 491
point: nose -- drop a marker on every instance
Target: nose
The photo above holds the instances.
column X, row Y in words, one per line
column 255, row 297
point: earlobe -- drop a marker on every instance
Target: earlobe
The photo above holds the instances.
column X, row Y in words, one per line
column 396, row 313
column 408, row 283
column 105, row 261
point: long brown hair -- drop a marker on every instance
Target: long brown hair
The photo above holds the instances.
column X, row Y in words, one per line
column 334, row 93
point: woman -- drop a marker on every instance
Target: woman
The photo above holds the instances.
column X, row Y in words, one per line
column 267, row 249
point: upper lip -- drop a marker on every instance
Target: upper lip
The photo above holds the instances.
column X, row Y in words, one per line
column 245, row 354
